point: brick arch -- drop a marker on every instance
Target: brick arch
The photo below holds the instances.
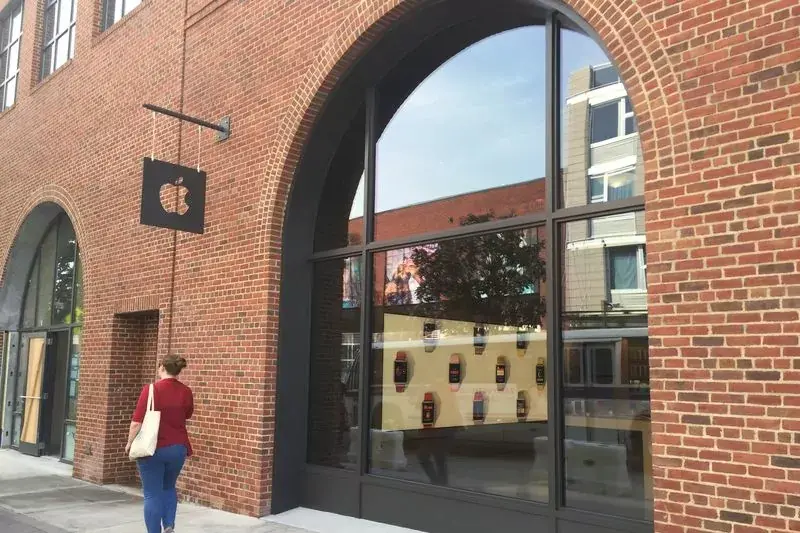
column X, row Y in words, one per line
column 52, row 194
column 626, row 32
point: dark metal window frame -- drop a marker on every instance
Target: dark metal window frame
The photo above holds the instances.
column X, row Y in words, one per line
column 7, row 16
column 295, row 316
column 49, row 67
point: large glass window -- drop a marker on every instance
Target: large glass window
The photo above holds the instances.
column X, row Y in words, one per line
column 59, row 34
column 333, row 437
column 10, row 41
column 471, row 135
column 432, row 315
column 606, row 446
column 458, row 330
column 599, row 138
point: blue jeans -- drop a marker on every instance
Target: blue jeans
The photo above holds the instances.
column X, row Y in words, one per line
column 159, row 474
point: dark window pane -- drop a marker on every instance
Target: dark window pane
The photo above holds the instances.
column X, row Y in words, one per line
column 47, row 61
column 605, row 121
column 630, row 125
column 591, row 114
column 31, row 290
column 72, row 376
column 49, row 24
column 628, row 107
column 44, row 304
column 470, row 140
column 607, row 452
column 605, row 75
column 5, row 32
column 336, row 359
column 458, row 365
column 340, row 219
column 3, row 61
column 64, row 273
column 78, row 300
column 624, row 269
column 597, row 189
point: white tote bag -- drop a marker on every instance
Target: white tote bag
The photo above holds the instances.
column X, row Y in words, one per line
column 144, row 444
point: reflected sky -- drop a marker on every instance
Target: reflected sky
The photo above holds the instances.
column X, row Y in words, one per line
column 476, row 123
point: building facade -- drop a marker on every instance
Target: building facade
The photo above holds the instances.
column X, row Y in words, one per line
column 546, row 252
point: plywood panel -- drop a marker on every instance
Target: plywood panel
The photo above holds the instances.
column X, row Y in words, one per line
column 33, row 390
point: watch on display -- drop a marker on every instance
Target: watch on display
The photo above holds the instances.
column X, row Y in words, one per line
column 522, row 342
column 454, row 373
column 428, row 410
column 501, row 373
column 479, row 339
column 478, row 407
column 400, row 371
column 541, row 379
column 430, row 336
column 522, row 406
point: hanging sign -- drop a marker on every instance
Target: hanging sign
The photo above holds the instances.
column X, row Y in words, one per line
column 173, row 196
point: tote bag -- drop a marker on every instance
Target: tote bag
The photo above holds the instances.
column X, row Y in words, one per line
column 144, row 444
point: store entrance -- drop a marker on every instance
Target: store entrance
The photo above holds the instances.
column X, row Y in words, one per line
column 40, row 392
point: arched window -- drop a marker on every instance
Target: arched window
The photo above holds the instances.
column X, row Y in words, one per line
column 46, row 386
column 479, row 298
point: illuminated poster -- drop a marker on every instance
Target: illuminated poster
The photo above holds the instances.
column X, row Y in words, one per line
column 402, row 276
column 351, row 283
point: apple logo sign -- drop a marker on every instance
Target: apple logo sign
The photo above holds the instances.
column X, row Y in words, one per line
column 173, row 196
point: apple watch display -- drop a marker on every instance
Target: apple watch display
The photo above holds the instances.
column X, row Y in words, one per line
column 540, row 373
column 454, row 373
column 430, row 336
column 522, row 406
column 478, row 407
column 428, row 410
column 522, row 342
column 400, row 371
column 501, row 373
column 479, row 339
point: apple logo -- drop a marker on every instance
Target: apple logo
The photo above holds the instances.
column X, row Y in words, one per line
column 173, row 197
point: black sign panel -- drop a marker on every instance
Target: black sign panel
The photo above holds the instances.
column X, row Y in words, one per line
column 184, row 193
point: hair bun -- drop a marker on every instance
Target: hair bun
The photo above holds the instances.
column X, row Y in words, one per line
column 181, row 362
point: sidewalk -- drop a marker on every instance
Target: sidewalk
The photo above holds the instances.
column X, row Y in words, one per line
column 40, row 496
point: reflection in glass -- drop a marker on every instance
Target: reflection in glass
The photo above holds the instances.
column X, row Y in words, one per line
column 69, row 442
column 64, row 274
column 340, row 219
column 10, row 33
column 44, row 302
column 607, row 451
column 471, row 134
column 458, row 395
column 601, row 158
column 72, row 375
column 29, row 312
column 333, row 434
column 78, row 305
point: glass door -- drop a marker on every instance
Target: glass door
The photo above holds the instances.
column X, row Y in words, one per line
column 30, row 394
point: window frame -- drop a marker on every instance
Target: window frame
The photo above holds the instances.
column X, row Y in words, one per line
column 112, row 14
column 50, row 67
column 641, row 268
column 7, row 15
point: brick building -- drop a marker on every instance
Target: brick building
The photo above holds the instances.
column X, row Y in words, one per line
column 513, row 362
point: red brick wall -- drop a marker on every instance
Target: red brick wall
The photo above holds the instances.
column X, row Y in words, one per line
column 716, row 92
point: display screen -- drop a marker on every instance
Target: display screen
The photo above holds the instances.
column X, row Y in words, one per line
column 428, row 412
column 522, row 342
column 477, row 409
column 500, row 373
column 540, row 378
column 401, row 372
column 521, row 407
column 479, row 337
column 455, row 373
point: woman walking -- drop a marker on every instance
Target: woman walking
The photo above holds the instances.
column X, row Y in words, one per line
column 160, row 472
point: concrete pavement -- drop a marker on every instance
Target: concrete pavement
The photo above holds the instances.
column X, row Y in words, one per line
column 40, row 496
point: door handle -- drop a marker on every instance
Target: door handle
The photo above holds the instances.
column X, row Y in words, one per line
column 32, row 398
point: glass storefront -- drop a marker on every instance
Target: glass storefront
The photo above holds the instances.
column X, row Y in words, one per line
column 45, row 391
column 478, row 301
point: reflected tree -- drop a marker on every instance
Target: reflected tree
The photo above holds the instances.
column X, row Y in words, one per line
column 494, row 278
